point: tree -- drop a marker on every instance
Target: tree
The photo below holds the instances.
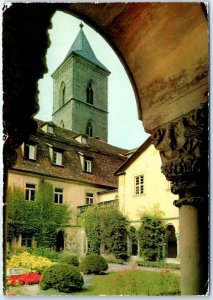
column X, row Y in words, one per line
column 152, row 235
column 107, row 228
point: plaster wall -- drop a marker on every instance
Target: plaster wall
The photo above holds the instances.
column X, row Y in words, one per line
column 156, row 189
column 74, row 193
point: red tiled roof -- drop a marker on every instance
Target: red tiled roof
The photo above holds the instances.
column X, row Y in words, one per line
column 106, row 158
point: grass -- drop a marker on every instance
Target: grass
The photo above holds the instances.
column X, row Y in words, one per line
column 126, row 283
column 134, row 282
column 158, row 264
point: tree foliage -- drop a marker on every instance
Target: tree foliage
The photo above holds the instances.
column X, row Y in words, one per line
column 152, row 236
column 40, row 218
column 106, row 229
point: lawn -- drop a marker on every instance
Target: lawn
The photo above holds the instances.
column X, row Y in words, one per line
column 133, row 282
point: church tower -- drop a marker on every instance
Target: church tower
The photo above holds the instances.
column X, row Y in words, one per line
column 80, row 91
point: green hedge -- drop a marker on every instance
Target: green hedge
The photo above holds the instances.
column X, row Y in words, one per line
column 69, row 259
column 63, row 277
column 158, row 264
column 93, row 263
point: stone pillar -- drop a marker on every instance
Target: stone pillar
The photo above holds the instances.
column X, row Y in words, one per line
column 178, row 245
column 183, row 146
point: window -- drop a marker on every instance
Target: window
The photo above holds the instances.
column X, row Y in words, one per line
column 30, row 151
column 89, row 130
column 62, row 94
column 87, row 165
column 49, row 129
column 89, row 198
column 30, row 191
column 139, row 185
column 89, row 93
column 58, row 195
column 26, row 240
column 83, row 140
column 57, row 158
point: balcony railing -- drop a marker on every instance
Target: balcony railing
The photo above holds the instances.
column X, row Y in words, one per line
column 102, row 205
column 83, row 208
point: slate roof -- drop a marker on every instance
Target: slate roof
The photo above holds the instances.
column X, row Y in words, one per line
column 106, row 159
column 81, row 47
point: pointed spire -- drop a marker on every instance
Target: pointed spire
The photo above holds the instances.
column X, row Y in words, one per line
column 82, row 47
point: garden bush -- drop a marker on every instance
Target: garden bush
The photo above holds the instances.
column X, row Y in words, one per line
column 69, row 259
column 46, row 252
column 63, row 277
column 152, row 236
column 93, row 263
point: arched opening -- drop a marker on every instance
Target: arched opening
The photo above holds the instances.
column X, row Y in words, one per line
column 132, row 242
column 62, row 95
column 171, row 242
column 122, row 107
column 90, row 93
column 59, row 246
column 89, row 129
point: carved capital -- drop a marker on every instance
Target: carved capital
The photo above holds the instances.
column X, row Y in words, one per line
column 183, row 147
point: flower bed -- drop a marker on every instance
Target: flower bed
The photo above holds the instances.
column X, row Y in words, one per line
column 30, row 262
column 28, row 278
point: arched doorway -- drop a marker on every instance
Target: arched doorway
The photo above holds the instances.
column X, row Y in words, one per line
column 132, row 242
column 171, row 242
column 60, row 241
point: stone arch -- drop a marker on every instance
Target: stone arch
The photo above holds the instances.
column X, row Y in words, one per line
column 171, row 247
column 170, row 80
column 89, row 128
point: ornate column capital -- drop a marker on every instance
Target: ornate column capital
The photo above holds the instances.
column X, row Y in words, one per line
column 183, row 147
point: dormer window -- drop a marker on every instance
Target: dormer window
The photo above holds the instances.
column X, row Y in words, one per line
column 49, row 129
column 87, row 164
column 89, row 129
column 56, row 156
column 83, row 140
column 30, row 150
column 89, row 93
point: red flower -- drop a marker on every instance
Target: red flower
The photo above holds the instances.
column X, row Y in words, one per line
column 28, row 278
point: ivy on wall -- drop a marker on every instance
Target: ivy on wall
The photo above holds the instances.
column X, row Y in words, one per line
column 40, row 218
column 152, row 235
column 106, row 229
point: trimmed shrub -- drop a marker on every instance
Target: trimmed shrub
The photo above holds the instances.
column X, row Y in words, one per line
column 93, row 263
column 63, row 277
column 69, row 259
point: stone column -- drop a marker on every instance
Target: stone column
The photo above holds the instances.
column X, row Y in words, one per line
column 183, row 147
column 178, row 245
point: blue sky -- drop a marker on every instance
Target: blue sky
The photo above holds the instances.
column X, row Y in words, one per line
column 125, row 130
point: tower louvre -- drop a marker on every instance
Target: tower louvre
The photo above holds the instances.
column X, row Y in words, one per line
column 80, row 91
